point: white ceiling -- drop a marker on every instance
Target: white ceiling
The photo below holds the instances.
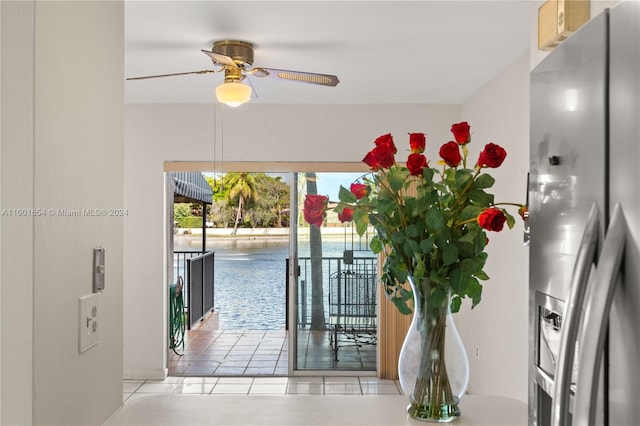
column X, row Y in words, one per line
column 384, row 52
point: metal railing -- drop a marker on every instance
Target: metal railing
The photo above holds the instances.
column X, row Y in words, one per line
column 332, row 269
column 197, row 268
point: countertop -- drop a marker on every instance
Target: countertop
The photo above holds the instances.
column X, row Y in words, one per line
column 306, row 410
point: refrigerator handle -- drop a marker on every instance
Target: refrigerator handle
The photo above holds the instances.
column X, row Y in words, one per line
column 571, row 319
column 596, row 317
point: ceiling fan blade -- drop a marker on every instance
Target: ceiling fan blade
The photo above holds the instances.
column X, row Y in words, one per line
column 171, row 75
column 220, row 59
column 303, row 77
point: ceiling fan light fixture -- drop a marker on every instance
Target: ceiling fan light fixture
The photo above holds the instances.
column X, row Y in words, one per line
column 233, row 93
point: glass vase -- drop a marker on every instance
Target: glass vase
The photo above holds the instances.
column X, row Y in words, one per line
column 433, row 367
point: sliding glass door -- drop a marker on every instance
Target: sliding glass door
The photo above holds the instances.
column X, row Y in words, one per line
column 332, row 285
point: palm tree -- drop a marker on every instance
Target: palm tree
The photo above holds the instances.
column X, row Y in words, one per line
column 242, row 187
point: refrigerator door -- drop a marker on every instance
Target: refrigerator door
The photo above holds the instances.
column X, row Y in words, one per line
column 597, row 308
column 624, row 169
column 568, row 94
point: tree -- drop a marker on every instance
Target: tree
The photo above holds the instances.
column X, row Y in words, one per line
column 317, row 284
column 274, row 199
column 242, row 189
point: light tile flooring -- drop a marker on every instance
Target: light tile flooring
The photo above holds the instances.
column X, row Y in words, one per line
column 299, row 385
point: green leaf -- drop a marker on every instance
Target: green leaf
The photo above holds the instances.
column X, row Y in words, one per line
column 481, row 275
column 376, row 245
column 449, row 254
column 470, row 212
column 463, row 177
column 510, row 220
column 397, row 179
column 474, row 291
column 428, row 174
column 484, row 181
column 346, row 196
column 469, row 236
column 420, row 270
column 437, row 277
column 455, row 304
column 426, row 245
column 480, row 197
column 400, row 274
column 434, row 220
column 455, row 279
column 398, row 237
column 437, row 296
column 413, row 247
column 402, row 306
column 362, row 225
column 412, row 231
column 470, row 267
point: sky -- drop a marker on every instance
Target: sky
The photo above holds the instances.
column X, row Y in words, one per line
column 329, row 183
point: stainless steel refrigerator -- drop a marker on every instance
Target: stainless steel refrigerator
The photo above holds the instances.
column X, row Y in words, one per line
column 584, row 219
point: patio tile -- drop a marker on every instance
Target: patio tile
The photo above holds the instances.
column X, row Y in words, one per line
column 259, row 371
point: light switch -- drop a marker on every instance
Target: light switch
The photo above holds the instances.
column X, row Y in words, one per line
column 89, row 323
column 98, row 269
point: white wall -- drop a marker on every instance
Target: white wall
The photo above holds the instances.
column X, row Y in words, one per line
column 157, row 133
column 62, row 147
column 16, row 169
column 499, row 113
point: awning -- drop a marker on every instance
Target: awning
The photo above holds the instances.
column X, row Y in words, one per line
column 190, row 187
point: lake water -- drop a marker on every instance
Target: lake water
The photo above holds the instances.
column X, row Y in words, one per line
column 250, row 278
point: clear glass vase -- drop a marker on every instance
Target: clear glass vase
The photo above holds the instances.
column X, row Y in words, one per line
column 433, row 367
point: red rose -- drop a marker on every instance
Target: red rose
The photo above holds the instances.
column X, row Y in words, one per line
column 381, row 157
column 492, row 219
column 360, row 190
column 314, row 209
column 346, row 215
column 450, row 153
column 461, row 132
column 387, row 142
column 415, row 163
column 491, row 156
column 417, row 141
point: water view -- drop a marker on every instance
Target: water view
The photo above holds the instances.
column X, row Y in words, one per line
column 250, row 277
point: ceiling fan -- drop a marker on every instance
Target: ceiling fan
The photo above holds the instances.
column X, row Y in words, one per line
column 236, row 59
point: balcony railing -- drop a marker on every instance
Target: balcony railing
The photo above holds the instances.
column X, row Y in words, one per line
column 197, row 269
column 348, row 287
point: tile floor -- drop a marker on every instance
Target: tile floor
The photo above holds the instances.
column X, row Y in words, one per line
column 211, row 352
column 231, row 353
column 299, row 385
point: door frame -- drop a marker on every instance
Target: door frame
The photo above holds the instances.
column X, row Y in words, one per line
column 291, row 167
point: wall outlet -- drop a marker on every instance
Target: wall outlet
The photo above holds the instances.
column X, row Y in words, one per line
column 89, row 323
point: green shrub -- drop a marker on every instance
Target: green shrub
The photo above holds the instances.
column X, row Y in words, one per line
column 189, row 222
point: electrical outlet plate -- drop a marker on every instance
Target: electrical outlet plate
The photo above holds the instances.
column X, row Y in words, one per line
column 89, row 324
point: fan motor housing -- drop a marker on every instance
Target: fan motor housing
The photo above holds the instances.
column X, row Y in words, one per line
column 241, row 52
